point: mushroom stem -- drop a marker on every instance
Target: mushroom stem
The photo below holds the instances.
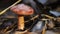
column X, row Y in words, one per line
column 20, row 22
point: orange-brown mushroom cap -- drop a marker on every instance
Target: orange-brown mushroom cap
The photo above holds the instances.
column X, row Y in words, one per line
column 22, row 9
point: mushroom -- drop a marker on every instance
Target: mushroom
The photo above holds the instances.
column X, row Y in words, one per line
column 22, row 10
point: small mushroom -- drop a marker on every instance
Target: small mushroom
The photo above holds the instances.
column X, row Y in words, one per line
column 22, row 10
